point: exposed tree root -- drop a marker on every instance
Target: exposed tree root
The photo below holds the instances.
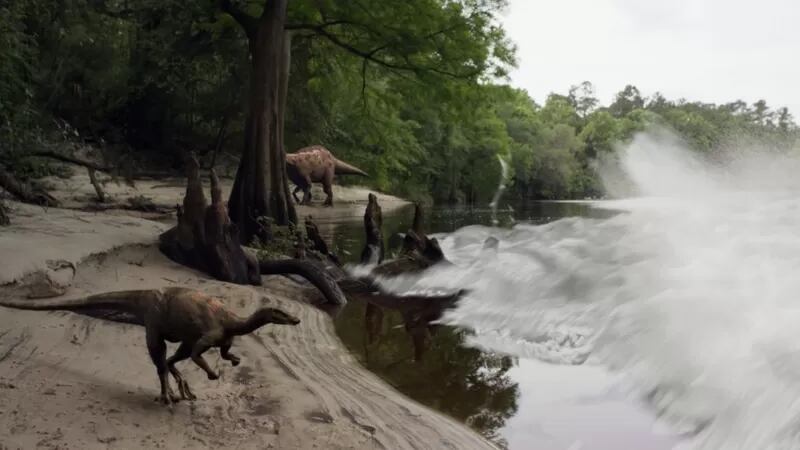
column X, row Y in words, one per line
column 207, row 240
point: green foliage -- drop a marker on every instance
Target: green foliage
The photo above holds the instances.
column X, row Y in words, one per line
column 409, row 91
column 18, row 52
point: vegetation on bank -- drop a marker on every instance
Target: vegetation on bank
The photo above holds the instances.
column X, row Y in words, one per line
column 412, row 92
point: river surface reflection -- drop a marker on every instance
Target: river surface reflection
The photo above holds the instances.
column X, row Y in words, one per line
column 517, row 402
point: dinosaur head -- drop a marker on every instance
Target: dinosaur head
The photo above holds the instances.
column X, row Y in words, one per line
column 274, row 315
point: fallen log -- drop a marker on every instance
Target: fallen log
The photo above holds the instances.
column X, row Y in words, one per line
column 93, row 165
column 24, row 192
column 319, row 278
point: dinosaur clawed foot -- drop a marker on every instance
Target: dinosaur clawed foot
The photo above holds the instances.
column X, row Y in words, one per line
column 213, row 376
column 169, row 399
column 186, row 393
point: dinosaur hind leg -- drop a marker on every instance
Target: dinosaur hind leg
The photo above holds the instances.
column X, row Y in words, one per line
column 225, row 353
column 307, row 192
column 327, row 186
column 198, row 349
column 184, row 352
column 294, row 193
column 158, row 353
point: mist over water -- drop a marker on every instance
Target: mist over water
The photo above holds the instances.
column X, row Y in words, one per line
column 691, row 292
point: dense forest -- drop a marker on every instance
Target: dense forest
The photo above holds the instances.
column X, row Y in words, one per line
column 413, row 92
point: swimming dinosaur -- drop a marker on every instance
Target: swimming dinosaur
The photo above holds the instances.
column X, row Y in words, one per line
column 316, row 164
column 197, row 320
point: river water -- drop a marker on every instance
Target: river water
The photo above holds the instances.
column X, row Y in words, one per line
column 666, row 319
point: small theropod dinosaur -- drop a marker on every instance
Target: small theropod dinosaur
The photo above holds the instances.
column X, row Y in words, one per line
column 196, row 320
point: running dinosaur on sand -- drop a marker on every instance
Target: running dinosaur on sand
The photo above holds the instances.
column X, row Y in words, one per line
column 196, row 320
column 315, row 164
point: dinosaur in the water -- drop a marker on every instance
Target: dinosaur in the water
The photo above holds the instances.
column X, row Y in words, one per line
column 315, row 164
column 196, row 320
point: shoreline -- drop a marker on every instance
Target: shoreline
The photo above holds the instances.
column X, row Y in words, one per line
column 67, row 379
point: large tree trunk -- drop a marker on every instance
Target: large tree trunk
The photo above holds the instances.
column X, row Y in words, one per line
column 261, row 187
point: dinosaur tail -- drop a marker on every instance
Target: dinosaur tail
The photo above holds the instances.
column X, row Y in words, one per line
column 123, row 301
column 342, row 168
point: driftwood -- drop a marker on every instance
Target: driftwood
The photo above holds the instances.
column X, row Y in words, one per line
column 206, row 239
column 28, row 195
column 63, row 157
column 93, row 165
column 24, row 192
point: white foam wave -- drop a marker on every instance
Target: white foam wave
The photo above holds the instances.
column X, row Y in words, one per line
column 692, row 291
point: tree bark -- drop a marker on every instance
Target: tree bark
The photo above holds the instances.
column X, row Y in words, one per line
column 261, row 187
column 206, row 239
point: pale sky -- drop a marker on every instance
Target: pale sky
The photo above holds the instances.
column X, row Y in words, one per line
column 705, row 50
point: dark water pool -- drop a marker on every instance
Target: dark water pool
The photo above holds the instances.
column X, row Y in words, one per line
column 468, row 384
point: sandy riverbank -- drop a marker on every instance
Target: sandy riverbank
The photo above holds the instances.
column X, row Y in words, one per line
column 77, row 192
column 68, row 381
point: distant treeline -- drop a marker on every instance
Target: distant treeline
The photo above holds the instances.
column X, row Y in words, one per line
column 384, row 87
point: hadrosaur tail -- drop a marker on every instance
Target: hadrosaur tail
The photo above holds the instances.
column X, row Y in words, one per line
column 342, row 168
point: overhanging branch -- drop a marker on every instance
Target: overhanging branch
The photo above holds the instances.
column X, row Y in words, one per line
column 247, row 22
column 370, row 55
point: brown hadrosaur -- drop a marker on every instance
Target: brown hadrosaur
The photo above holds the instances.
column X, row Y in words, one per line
column 196, row 320
column 316, row 164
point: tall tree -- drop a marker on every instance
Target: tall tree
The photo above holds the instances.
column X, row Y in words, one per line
column 261, row 187
column 626, row 100
column 424, row 39
column 583, row 99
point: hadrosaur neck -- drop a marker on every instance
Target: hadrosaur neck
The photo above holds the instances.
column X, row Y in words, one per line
column 242, row 326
